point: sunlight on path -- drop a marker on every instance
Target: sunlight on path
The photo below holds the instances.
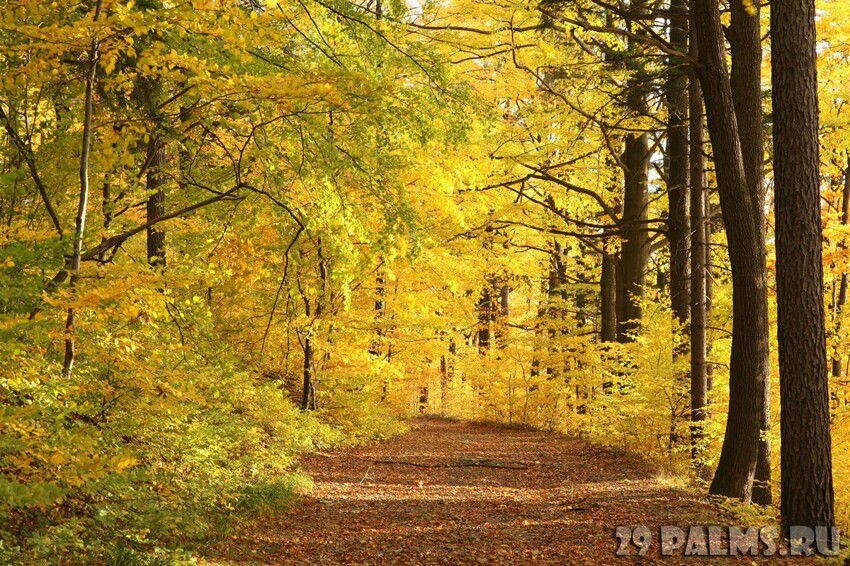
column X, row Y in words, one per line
column 412, row 509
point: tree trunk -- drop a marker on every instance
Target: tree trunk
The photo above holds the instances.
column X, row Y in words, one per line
column 380, row 312
column 485, row 316
column 82, row 204
column 156, row 202
column 608, row 298
column 837, row 368
column 709, row 280
column 698, row 271
column 807, row 493
column 678, row 222
column 308, row 393
column 748, row 371
column 500, row 315
column 635, row 248
column 745, row 41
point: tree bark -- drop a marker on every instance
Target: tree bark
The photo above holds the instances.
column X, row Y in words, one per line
column 82, row 204
column 308, row 394
column 745, row 41
column 485, row 316
column 608, row 298
column 837, row 367
column 380, row 312
column 678, row 221
column 807, row 492
column 156, row 202
column 748, row 372
column 635, row 248
column 698, row 270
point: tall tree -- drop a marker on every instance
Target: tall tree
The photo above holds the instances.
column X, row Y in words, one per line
column 807, row 494
column 698, row 265
column 91, row 64
column 748, row 366
column 678, row 222
column 744, row 36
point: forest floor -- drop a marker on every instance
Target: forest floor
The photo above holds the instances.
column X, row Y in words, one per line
column 460, row 493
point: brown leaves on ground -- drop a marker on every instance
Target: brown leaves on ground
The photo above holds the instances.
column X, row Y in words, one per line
column 459, row 493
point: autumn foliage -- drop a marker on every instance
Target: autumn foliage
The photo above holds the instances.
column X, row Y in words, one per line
column 310, row 220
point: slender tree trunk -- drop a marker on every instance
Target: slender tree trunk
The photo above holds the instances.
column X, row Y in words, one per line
column 678, row 221
column 500, row 315
column 82, row 205
column 748, row 372
column 308, row 394
column 608, row 298
column 106, row 210
column 380, row 311
column 709, row 284
column 837, row 368
column 698, row 270
column 156, row 202
column 807, row 493
column 485, row 316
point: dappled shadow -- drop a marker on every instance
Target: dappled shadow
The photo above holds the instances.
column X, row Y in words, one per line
column 562, row 509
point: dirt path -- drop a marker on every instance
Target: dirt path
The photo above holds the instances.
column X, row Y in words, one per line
column 561, row 509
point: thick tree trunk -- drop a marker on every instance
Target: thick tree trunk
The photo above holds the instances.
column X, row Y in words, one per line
column 156, row 202
column 807, row 493
column 745, row 41
column 635, row 248
column 748, row 372
column 678, row 221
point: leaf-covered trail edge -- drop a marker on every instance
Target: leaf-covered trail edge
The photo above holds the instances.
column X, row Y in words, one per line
column 453, row 492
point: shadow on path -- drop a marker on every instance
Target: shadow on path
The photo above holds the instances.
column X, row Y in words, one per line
column 561, row 509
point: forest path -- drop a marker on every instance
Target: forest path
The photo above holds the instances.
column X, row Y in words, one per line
column 370, row 505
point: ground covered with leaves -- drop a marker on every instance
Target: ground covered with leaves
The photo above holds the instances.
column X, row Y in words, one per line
column 459, row 493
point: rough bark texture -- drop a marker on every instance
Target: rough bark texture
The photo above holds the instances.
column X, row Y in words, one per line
column 697, row 275
column 678, row 221
column 807, row 493
column 635, row 249
column 745, row 41
column 156, row 202
column 748, row 371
